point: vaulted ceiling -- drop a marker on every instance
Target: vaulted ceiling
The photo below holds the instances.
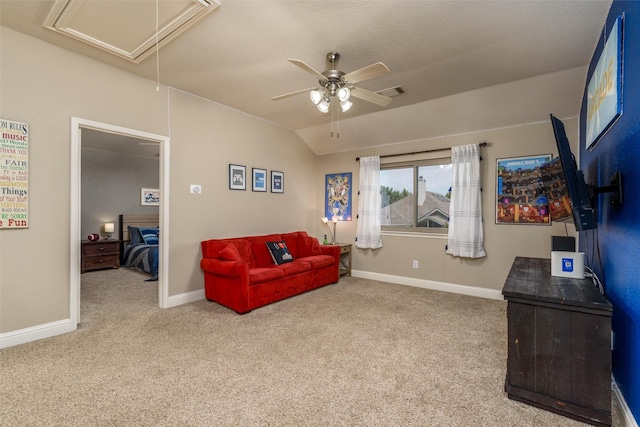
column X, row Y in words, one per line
column 236, row 52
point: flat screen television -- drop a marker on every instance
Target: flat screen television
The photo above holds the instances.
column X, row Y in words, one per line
column 577, row 191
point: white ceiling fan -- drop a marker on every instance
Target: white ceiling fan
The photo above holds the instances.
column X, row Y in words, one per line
column 336, row 83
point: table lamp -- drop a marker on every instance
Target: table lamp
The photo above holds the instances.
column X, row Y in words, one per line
column 109, row 228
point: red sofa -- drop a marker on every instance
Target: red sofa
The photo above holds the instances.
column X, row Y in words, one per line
column 240, row 273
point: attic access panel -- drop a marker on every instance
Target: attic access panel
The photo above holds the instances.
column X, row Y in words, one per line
column 126, row 29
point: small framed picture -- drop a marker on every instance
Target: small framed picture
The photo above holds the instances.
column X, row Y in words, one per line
column 237, row 177
column 149, row 197
column 259, row 179
column 277, row 182
column 337, row 199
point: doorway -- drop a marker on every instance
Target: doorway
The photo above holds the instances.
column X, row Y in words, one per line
column 77, row 126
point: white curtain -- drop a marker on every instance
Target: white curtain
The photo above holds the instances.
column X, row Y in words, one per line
column 465, row 211
column 368, row 234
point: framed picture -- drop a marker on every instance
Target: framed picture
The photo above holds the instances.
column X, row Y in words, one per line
column 237, row 177
column 520, row 197
column 259, row 179
column 149, row 197
column 604, row 91
column 556, row 190
column 338, row 196
column 277, row 182
column 14, row 157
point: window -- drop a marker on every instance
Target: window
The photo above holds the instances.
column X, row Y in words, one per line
column 415, row 196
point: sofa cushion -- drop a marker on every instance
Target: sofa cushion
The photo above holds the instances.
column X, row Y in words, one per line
column 261, row 275
column 292, row 268
column 212, row 248
column 261, row 254
column 230, row 253
column 291, row 239
column 245, row 250
column 279, row 252
column 319, row 261
column 308, row 246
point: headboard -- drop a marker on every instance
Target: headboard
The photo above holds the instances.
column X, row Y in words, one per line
column 136, row 220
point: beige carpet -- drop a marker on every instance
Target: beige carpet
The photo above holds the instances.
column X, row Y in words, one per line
column 358, row 353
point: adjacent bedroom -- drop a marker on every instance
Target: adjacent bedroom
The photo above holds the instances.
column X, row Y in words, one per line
column 119, row 208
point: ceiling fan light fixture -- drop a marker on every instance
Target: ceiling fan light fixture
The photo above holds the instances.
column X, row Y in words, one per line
column 316, row 96
column 323, row 106
column 343, row 94
column 346, row 105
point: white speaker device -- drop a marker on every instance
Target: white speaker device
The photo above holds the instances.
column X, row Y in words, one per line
column 567, row 264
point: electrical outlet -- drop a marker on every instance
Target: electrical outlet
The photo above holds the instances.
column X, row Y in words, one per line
column 415, row 263
column 196, row 189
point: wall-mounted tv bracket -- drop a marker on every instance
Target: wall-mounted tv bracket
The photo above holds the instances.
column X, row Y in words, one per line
column 614, row 187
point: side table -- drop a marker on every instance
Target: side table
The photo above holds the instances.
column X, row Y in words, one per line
column 345, row 259
column 100, row 254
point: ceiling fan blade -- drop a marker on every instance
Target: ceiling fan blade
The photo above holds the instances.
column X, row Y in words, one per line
column 286, row 95
column 308, row 69
column 373, row 97
column 374, row 70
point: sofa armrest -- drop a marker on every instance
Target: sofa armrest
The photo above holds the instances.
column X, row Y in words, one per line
column 225, row 268
column 333, row 250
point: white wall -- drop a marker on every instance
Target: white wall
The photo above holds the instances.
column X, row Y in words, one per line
column 111, row 185
column 49, row 86
column 45, row 88
column 527, row 133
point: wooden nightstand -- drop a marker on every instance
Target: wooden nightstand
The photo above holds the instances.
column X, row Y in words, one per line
column 345, row 259
column 100, row 254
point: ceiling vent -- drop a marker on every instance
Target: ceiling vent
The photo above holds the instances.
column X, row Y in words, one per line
column 392, row 91
column 126, row 29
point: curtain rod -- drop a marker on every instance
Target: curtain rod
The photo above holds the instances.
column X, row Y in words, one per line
column 482, row 144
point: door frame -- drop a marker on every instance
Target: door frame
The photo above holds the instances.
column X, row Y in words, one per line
column 77, row 124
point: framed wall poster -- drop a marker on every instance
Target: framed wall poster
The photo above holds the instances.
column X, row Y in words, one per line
column 277, row 182
column 604, row 91
column 338, row 196
column 14, row 174
column 259, row 179
column 556, row 190
column 237, row 177
column 520, row 198
column 149, row 197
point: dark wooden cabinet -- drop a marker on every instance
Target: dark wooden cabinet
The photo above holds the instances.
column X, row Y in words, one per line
column 101, row 254
column 559, row 342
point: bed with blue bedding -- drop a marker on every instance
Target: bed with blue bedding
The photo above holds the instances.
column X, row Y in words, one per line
column 140, row 238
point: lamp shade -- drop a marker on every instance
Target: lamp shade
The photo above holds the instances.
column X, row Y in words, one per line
column 316, row 96
column 343, row 94
column 323, row 106
column 346, row 105
column 109, row 227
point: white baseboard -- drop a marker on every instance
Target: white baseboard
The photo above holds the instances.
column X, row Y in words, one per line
column 185, row 298
column 629, row 420
column 430, row 284
column 38, row 332
column 48, row 330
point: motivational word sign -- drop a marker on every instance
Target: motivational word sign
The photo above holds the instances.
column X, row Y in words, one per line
column 14, row 174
